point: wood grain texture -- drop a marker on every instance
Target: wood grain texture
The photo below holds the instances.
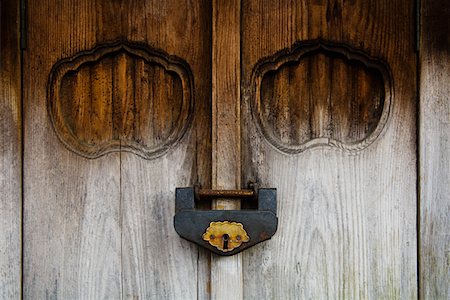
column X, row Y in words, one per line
column 72, row 220
column 10, row 152
column 347, row 220
column 157, row 263
column 226, row 272
column 121, row 97
column 102, row 228
column 329, row 94
column 435, row 151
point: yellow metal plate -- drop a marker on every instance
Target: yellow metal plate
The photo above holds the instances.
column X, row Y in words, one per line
column 226, row 236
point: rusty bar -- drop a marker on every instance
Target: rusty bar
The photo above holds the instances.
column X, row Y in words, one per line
column 205, row 193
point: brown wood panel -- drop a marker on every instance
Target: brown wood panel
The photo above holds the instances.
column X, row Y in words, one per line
column 305, row 88
column 347, row 215
column 121, row 96
column 98, row 225
column 10, row 152
column 434, row 137
column 226, row 272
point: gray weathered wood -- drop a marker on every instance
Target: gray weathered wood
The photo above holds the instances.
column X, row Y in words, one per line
column 72, row 220
column 435, row 150
column 157, row 263
column 10, row 152
column 72, row 223
column 347, row 217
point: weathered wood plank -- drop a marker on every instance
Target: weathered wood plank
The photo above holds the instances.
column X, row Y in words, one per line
column 128, row 86
column 157, row 263
column 10, row 152
column 72, row 220
column 226, row 272
column 434, row 150
column 347, row 211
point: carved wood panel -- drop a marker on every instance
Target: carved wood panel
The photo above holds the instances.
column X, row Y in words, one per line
column 120, row 96
column 317, row 93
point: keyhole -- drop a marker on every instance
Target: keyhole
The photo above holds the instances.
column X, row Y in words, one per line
column 225, row 239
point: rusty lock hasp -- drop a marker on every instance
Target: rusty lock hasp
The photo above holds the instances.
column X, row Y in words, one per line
column 225, row 232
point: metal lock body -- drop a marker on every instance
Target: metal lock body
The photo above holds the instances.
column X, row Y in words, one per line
column 225, row 232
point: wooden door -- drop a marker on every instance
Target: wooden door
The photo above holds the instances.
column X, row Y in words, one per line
column 123, row 101
column 117, row 115
column 329, row 106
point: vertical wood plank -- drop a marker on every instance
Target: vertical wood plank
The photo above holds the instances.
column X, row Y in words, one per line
column 434, row 150
column 72, row 220
column 157, row 263
column 347, row 219
column 226, row 272
column 10, row 152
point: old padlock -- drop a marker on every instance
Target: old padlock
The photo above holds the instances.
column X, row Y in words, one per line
column 225, row 232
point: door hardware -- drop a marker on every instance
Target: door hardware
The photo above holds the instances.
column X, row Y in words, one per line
column 225, row 236
column 225, row 232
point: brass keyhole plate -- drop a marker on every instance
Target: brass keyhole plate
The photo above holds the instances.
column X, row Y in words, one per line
column 226, row 236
